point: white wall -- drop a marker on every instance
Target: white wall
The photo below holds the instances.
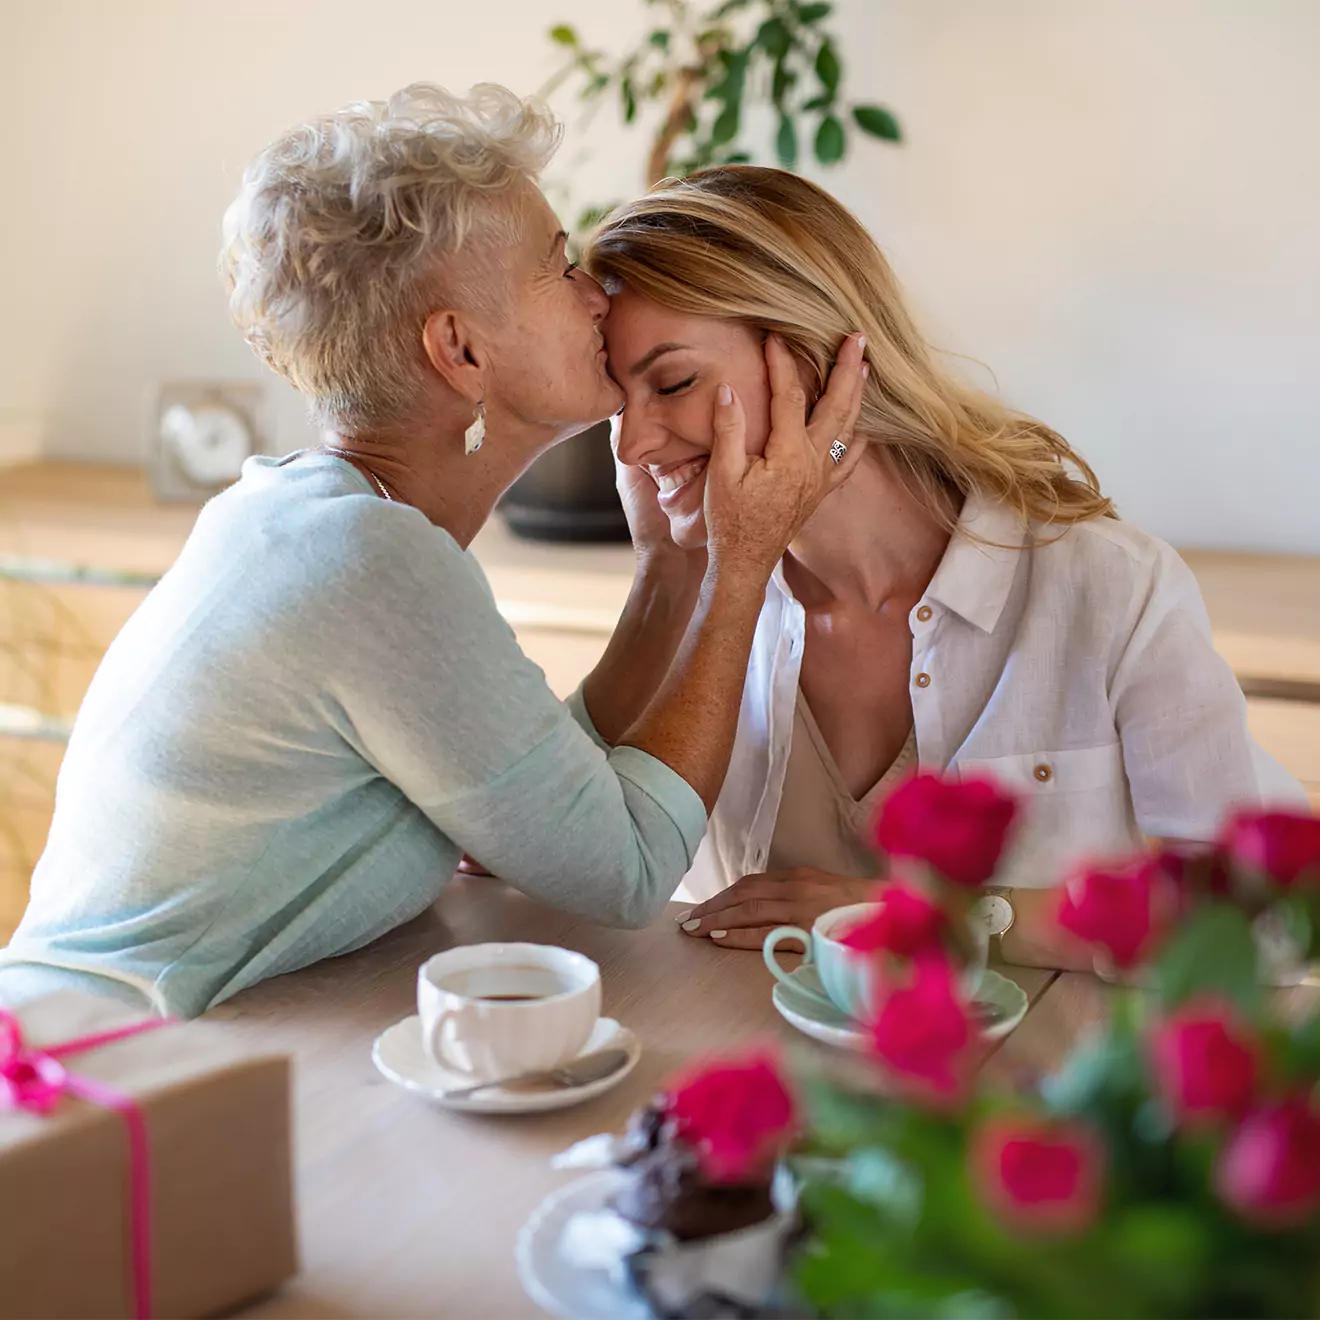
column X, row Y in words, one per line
column 1113, row 203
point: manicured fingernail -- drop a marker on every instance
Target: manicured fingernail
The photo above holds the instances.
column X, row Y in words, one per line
column 683, row 916
column 866, row 370
column 691, row 925
column 861, row 341
column 724, row 394
column 718, row 934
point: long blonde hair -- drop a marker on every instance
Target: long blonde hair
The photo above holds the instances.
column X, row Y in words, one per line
column 777, row 253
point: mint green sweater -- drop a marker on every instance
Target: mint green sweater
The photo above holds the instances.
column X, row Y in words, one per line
column 293, row 740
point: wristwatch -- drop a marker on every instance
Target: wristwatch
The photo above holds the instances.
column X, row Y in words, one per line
column 993, row 911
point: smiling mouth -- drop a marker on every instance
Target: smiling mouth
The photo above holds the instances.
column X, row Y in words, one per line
column 675, row 478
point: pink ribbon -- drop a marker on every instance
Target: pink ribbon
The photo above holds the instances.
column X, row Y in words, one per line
column 35, row 1079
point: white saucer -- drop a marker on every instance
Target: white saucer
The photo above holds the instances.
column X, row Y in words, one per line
column 552, row 1282
column 399, row 1055
column 832, row 1026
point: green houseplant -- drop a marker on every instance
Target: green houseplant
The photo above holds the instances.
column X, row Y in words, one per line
column 694, row 87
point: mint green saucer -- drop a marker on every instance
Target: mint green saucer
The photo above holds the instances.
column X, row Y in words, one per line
column 1000, row 1005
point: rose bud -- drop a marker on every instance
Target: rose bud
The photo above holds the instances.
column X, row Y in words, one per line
column 904, row 923
column 1284, row 846
column 957, row 827
column 1206, row 1064
column 1125, row 910
column 1269, row 1168
column 1041, row 1177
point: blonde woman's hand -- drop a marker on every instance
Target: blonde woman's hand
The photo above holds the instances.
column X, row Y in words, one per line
column 741, row 916
column 755, row 506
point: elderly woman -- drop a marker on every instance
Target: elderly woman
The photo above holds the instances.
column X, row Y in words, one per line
column 969, row 602
column 319, row 709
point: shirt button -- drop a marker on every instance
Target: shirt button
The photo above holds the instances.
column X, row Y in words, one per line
column 923, row 680
column 1043, row 773
column 924, row 614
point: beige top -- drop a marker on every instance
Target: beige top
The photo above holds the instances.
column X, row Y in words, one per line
column 820, row 823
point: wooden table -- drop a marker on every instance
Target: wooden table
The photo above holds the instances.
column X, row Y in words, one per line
column 406, row 1210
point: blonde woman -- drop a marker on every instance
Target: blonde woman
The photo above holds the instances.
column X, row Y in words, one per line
column 968, row 602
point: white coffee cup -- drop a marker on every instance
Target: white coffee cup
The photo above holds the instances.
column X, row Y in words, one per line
column 494, row 1010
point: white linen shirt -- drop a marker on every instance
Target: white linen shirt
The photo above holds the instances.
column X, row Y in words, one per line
column 1075, row 669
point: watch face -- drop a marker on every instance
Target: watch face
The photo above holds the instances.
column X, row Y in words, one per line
column 210, row 442
column 994, row 912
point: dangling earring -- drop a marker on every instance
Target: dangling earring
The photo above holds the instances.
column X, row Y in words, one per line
column 475, row 433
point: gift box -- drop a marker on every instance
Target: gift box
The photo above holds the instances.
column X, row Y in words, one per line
column 148, row 1174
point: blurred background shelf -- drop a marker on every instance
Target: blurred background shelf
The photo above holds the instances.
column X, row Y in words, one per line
column 80, row 545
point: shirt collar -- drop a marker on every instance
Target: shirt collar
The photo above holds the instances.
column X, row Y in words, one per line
column 978, row 567
column 977, row 571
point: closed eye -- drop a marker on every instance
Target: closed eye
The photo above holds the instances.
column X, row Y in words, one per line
column 674, row 389
column 572, row 266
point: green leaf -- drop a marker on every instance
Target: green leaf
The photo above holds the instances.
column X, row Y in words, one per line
column 628, row 97
column 813, row 13
column 821, row 102
column 1163, row 1249
column 564, row 35
column 773, row 38
column 830, row 141
column 786, row 143
column 827, row 67
column 659, row 39
column 878, row 122
column 1213, row 952
column 730, row 7
column 730, row 87
column 595, row 86
column 781, row 83
column 725, row 127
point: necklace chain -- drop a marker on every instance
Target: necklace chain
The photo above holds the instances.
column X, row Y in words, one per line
column 357, row 458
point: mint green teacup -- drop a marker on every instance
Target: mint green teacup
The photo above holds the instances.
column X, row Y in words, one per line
column 849, row 980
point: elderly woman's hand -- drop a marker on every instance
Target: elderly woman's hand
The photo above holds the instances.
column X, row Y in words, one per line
column 755, row 506
column 749, row 909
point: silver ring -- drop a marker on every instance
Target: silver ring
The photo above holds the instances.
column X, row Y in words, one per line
column 837, row 451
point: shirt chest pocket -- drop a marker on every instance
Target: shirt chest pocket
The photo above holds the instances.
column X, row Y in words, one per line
column 1073, row 805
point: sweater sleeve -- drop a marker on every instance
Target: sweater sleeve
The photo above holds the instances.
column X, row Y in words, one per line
column 433, row 690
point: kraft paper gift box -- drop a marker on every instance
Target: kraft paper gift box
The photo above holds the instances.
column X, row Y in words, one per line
column 219, row 1188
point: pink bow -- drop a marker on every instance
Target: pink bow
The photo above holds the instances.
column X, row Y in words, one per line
column 35, row 1079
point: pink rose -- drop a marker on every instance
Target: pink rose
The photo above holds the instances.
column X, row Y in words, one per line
column 735, row 1113
column 1124, row 910
column 906, row 923
column 923, row 1030
column 1282, row 845
column 1042, row 1177
column 1206, row 1065
column 1269, row 1169
column 957, row 827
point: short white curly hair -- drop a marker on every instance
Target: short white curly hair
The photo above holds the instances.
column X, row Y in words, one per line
column 340, row 241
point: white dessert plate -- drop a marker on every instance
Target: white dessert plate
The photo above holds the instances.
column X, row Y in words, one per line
column 555, row 1284
column 399, row 1056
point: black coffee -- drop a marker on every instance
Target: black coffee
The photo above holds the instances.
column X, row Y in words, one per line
column 511, row 999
